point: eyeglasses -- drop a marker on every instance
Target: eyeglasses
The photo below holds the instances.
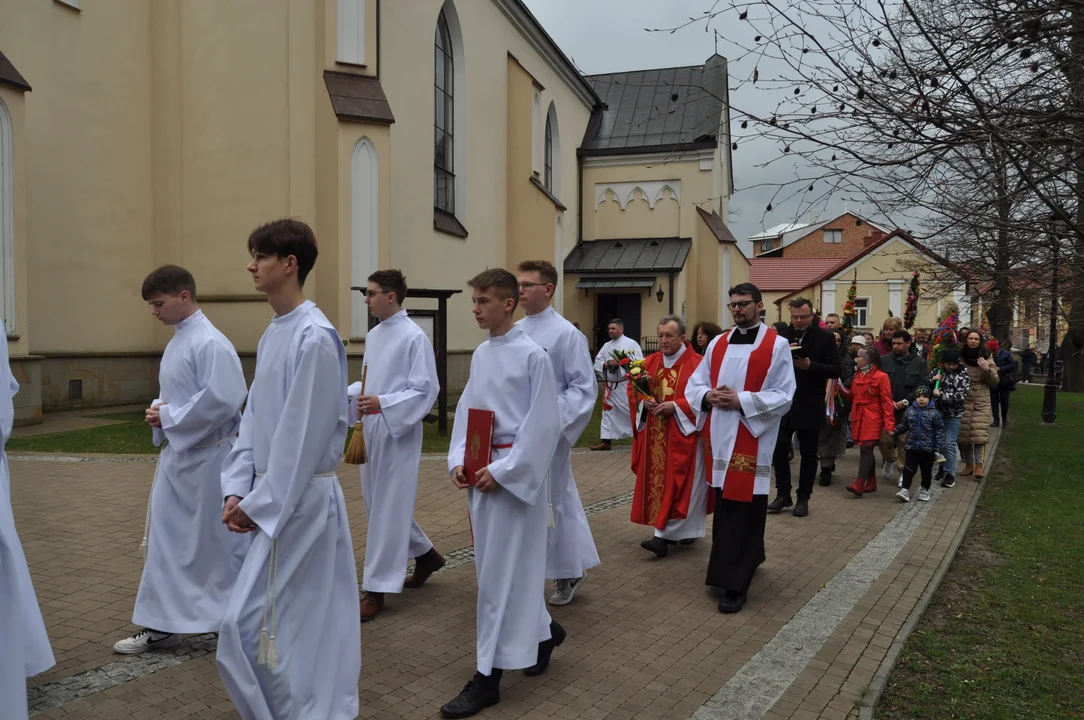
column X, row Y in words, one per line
column 529, row 285
column 800, row 317
column 739, row 304
column 374, row 293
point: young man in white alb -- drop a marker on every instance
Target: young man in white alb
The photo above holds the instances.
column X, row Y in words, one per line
column 511, row 376
column 191, row 558
column 24, row 645
column 571, row 548
column 401, row 384
column 290, row 645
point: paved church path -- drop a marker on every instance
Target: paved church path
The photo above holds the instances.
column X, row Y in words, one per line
column 645, row 637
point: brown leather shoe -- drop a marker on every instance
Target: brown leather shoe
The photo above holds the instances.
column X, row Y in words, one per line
column 980, row 472
column 371, row 605
column 968, row 470
column 424, row 566
column 602, row 446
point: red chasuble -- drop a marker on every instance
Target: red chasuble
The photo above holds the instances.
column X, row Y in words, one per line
column 664, row 459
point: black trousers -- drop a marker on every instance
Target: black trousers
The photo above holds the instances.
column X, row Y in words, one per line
column 807, row 468
column 737, row 542
column 999, row 402
column 918, row 461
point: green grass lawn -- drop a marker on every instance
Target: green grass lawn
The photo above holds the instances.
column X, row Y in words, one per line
column 134, row 437
column 1004, row 634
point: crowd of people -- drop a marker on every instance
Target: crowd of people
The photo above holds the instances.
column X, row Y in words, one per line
column 247, row 532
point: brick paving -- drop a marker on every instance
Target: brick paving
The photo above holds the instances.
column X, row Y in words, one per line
column 645, row 637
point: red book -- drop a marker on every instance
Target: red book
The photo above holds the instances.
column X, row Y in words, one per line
column 479, row 443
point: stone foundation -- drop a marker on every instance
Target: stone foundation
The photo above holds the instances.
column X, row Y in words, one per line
column 27, row 371
column 102, row 380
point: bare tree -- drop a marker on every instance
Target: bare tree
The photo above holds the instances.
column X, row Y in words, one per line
column 965, row 114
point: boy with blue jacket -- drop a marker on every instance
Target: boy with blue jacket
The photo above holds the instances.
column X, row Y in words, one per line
column 925, row 431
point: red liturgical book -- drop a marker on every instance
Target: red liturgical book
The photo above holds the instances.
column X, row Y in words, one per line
column 479, row 443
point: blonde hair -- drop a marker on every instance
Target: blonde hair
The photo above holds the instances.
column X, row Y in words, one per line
column 892, row 324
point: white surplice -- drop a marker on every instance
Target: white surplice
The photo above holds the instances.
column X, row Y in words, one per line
column 617, row 421
column 512, row 376
column 570, row 547
column 402, row 371
column 695, row 523
column 192, row 559
column 292, row 435
column 24, row 644
column 761, row 411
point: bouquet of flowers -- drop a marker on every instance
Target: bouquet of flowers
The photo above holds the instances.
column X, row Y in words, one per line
column 849, row 312
column 623, row 357
column 640, row 380
column 911, row 312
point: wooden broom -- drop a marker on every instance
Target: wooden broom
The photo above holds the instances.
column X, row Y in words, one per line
column 355, row 453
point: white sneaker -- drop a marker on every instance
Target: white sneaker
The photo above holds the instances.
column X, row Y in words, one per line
column 145, row 640
column 887, row 468
column 924, row 495
column 904, row 495
column 566, row 589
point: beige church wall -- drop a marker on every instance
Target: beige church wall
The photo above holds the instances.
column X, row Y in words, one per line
column 90, row 230
column 333, row 293
column 695, row 188
column 233, row 149
column 579, row 307
column 532, row 216
column 431, row 258
column 328, row 11
column 638, row 219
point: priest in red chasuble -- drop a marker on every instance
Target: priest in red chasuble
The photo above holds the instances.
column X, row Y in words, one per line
column 669, row 459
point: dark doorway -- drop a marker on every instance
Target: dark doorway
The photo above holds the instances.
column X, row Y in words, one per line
column 623, row 306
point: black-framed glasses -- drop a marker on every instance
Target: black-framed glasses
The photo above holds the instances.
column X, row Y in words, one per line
column 529, row 285
column 374, row 293
column 739, row 304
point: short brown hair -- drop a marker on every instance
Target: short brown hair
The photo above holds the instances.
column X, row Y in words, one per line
column 169, row 280
column 543, row 268
column 283, row 238
column 498, row 279
column 391, row 281
column 800, row 301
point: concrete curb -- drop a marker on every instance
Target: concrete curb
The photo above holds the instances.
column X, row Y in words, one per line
column 880, row 678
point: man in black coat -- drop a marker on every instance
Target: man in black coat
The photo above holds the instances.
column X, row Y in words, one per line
column 815, row 362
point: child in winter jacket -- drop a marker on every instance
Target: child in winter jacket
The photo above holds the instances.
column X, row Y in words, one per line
column 872, row 412
column 951, row 389
column 925, row 436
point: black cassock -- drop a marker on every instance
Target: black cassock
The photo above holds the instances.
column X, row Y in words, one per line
column 737, row 532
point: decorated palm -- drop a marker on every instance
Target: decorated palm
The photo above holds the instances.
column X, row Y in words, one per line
column 945, row 336
column 849, row 312
column 911, row 312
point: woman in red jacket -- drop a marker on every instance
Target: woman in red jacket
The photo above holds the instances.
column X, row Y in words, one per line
column 872, row 413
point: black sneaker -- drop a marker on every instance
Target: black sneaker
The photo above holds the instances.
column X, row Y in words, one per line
column 481, row 692
column 782, row 500
column 949, row 481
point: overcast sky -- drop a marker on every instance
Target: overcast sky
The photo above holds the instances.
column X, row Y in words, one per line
column 609, row 36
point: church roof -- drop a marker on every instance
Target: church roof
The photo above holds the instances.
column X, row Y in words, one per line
column 629, row 256
column 678, row 108
column 789, row 274
column 10, row 76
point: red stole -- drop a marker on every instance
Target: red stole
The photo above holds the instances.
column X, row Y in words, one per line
column 664, row 459
column 742, row 470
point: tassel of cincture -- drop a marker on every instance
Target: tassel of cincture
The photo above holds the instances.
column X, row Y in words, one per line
column 267, row 654
column 549, row 504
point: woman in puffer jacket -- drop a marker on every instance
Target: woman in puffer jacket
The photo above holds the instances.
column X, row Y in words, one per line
column 872, row 413
column 975, row 425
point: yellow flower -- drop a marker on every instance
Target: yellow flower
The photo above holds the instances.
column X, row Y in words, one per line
column 635, row 370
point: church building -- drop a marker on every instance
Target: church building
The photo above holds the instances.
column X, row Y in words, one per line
column 439, row 137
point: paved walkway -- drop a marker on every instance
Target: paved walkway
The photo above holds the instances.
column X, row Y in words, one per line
column 645, row 637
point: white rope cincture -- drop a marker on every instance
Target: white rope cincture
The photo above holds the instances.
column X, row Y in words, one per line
column 267, row 655
column 147, row 521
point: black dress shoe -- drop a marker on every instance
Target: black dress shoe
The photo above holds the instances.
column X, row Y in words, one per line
column 801, row 509
column 545, row 649
column 481, row 692
column 732, row 602
column 656, row 545
column 826, row 477
column 687, row 541
column 781, row 501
